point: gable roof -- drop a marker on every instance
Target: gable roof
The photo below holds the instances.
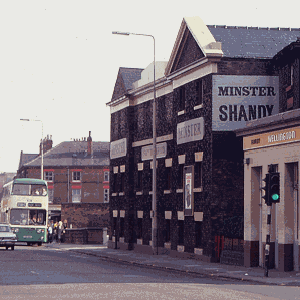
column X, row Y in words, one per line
column 126, row 77
column 26, row 158
column 231, row 41
column 253, row 42
column 74, row 153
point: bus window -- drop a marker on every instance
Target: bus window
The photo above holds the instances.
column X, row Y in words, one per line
column 21, row 189
column 37, row 217
column 38, row 190
column 19, row 217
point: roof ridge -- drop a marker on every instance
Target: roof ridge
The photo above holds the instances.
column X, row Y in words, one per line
column 254, row 27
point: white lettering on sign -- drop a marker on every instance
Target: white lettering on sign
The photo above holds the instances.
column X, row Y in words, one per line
column 118, row 148
column 189, row 131
column 238, row 99
column 281, row 137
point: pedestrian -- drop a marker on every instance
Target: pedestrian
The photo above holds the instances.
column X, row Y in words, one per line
column 59, row 231
column 55, row 231
column 49, row 233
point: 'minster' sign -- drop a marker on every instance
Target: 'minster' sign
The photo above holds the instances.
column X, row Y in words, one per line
column 238, row 99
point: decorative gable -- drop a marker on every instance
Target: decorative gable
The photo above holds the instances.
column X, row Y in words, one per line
column 119, row 88
column 188, row 51
column 194, row 41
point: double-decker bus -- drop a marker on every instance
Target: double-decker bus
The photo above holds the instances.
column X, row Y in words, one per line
column 24, row 206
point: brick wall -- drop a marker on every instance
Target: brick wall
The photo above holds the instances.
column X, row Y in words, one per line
column 82, row 215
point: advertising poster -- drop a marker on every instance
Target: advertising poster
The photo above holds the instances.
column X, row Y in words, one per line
column 188, row 194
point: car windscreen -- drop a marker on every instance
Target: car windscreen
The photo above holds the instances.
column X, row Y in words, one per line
column 5, row 228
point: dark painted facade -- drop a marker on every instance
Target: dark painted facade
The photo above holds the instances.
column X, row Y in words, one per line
column 189, row 142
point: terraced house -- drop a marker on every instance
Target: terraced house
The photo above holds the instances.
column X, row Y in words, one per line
column 217, row 79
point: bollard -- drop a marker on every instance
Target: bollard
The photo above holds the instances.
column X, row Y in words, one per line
column 267, row 254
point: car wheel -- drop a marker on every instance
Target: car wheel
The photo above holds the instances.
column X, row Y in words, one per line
column 39, row 244
column 6, row 247
column 12, row 247
column 28, row 244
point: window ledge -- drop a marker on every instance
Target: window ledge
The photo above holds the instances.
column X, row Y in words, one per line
column 167, row 191
column 139, row 193
column 150, row 193
column 197, row 190
column 198, row 251
column 198, row 106
column 121, row 194
column 114, row 194
column 179, row 191
column 182, row 112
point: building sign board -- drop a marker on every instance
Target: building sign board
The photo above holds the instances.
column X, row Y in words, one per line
column 284, row 136
column 238, row 99
column 191, row 130
column 118, row 148
column 147, row 151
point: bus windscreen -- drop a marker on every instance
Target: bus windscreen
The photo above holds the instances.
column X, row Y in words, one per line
column 29, row 190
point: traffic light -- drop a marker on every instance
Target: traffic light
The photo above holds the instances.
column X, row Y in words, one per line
column 274, row 194
column 266, row 188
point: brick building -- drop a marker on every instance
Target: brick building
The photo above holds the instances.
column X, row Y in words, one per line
column 77, row 173
column 217, row 79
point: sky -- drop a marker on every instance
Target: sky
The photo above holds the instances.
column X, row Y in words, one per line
column 59, row 59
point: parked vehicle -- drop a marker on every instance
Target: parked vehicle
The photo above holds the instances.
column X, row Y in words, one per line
column 7, row 237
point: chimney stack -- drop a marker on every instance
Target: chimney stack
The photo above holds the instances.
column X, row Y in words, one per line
column 47, row 144
column 89, row 144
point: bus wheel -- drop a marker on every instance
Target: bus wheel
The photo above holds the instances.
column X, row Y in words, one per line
column 6, row 247
column 12, row 247
column 28, row 244
column 39, row 244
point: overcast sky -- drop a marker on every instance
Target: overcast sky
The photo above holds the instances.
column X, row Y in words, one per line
column 59, row 60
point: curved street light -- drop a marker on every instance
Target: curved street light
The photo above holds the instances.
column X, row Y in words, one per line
column 154, row 203
column 42, row 148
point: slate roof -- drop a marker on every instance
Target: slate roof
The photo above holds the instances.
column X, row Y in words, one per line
column 255, row 42
column 26, row 158
column 130, row 75
column 74, row 153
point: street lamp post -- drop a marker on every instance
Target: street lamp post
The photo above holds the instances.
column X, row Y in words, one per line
column 42, row 148
column 154, row 203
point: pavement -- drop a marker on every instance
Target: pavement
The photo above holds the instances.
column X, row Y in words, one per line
column 190, row 266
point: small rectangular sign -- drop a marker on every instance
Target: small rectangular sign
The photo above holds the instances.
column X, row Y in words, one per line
column 147, row 151
column 118, row 148
column 189, row 131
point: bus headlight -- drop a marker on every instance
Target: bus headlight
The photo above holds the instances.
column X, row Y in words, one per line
column 15, row 230
column 42, row 238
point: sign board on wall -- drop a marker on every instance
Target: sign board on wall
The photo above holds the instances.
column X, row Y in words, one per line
column 188, row 194
column 189, row 131
column 238, row 99
column 161, row 151
column 118, row 148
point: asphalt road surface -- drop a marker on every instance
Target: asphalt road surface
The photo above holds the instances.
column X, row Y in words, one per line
column 48, row 273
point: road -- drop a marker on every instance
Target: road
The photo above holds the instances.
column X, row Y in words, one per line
column 49, row 273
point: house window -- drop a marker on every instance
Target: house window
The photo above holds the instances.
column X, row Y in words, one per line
column 180, row 232
column 168, row 230
column 122, row 182
column 181, row 98
column 140, row 181
column 168, row 179
column 106, row 175
column 140, row 228
column 76, row 195
column 198, row 175
column 122, row 227
column 180, row 176
column 198, row 234
column 115, row 189
column 76, row 176
column 106, row 195
column 48, row 175
column 199, row 91
column 50, row 195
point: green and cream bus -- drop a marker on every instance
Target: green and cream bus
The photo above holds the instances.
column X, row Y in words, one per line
column 24, row 206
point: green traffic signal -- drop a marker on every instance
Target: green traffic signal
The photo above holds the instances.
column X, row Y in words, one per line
column 274, row 187
column 275, row 197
